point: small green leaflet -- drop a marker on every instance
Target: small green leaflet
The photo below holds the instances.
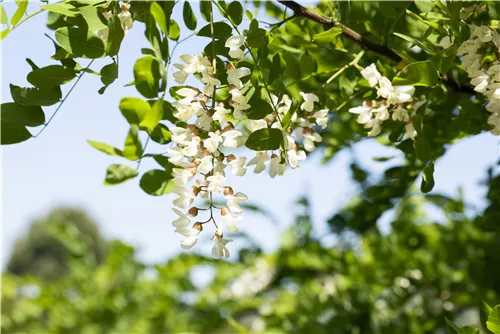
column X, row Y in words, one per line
column 259, row 108
column 50, row 76
column 420, row 73
column 134, row 109
column 264, row 140
column 221, row 30
column 159, row 16
column 484, row 312
column 35, row 96
column 189, row 17
column 105, row 148
column 427, row 178
column 21, row 9
column 235, row 11
column 152, row 116
column 161, row 135
column 493, row 322
column 64, row 9
column 80, row 42
column 24, row 115
column 157, row 182
column 327, row 36
column 133, row 147
column 116, row 174
column 278, row 68
column 147, row 76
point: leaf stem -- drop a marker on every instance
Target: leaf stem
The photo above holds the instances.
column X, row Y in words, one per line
column 63, row 100
column 354, row 62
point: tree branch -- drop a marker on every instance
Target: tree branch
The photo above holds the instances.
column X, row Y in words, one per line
column 357, row 38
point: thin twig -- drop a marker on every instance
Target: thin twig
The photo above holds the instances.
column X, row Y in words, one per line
column 63, row 100
column 354, row 62
column 143, row 150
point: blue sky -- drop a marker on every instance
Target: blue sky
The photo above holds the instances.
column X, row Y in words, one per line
column 60, row 168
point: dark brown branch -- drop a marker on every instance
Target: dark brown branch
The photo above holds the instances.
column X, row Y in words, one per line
column 354, row 36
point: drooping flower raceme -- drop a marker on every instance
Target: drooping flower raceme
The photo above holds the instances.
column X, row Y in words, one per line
column 210, row 131
column 125, row 18
column 373, row 113
column 484, row 77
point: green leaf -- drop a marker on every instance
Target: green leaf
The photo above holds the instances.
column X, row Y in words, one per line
column 427, row 22
column 222, row 30
column 429, row 48
column 159, row 16
column 35, row 96
column 168, row 112
column 468, row 330
column 50, row 76
column 12, row 132
column 147, row 76
column 115, row 36
column 205, row 10
column 484, row 312
column 95, row 20
column 255, row 35
column 133, row 147
column 189, row 17
column 277, row 69
column 105, row 148
column 493, row 322
column 259, row 108
column 220, row 49
column 157, row 182
column 24, row 115
column 327, row 36
column 109, row 73
column 134, row 109
column 422, row 149
column 444, row 59
column 4, row 19
column 421, row 73
column 450, row 326
column 80, row 43
column 65, row 9
column 174, row 31
column 264, row 139
column 308, row 64
column 161, row 135
column 21, row 9
column 285, row 121
column 116, row 174
column 235, row 11
column 427, row 178
column 152, row 116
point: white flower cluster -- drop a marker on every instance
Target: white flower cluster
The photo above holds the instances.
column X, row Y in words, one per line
column 373, row 113
column 200, row 148
column 484, row 77
column 125, row 20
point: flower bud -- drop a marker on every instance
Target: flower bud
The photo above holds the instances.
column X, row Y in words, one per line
column 218, row 234
column 230, row 66
column 228, row 191
column 230, row 158
column 228, row 127
column 196, row 161
column 274, row 156
column 193, row 211
column 224, row 211
column 206, row 153
column 198, row 226
column 203, row 104
column 196, row 190
column 220, row 157
column 193, row 171
column 210, row 112
column 231, row 87
column 191, row 127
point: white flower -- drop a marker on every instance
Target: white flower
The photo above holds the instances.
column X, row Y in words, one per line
column 183, row 220
column 179, row 134
column 125, row 20
column 238, row 111
column 400, row 114
column 284, row 105
column 190, row 148
column 220, row 250
column 382, row 113
column 446, row 42
column 212, row 143
column 204, row 121
column 210, row 83
column 275, row 167
column 206, row 164
column 364, row 112
column 229, row 221
column 468, row 47
column 234, row 44
column 385, row 88
column 186, row 197
column 231, row 138
column 176, row 156
column 220, row 113
column 181, row 176
column 254, row 125
column 309, row 140
column 410, row 130
column 219, row 168
column 237, row 96
column 309, row 99
column 237, row 168
column 233, row 76
column 402, row 94
column 374, row 124
column 191, row 235
column 371, row 74
column 294, row 157
column 259, row 161
column 233, row 201
column 482, row 32
column 215, row 182
column 321, row 117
